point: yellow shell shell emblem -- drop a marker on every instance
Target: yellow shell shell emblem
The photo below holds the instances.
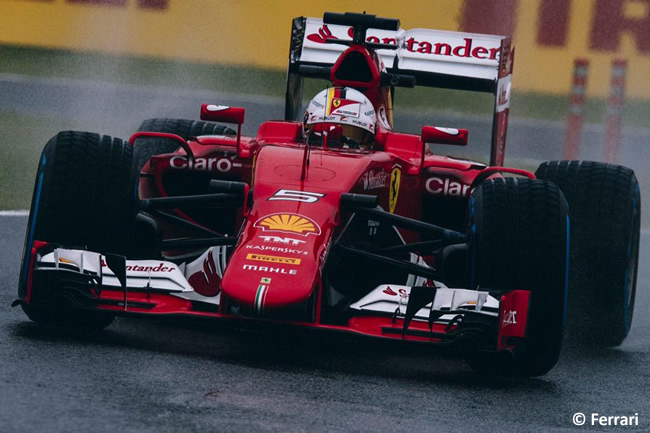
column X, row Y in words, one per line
column 395, row 180
column 288, row 223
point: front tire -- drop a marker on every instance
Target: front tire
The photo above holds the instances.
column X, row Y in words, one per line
column 518, row 241
column 84, row 197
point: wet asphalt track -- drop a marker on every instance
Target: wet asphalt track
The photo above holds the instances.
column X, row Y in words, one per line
column 160, row 377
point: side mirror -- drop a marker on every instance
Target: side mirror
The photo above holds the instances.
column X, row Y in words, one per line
column 222, row 113
column 226, row 114
column 437, row 135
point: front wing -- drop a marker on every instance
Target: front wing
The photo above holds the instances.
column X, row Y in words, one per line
column 437, row 315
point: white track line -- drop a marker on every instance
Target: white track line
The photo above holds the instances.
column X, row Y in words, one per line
column 12, row 213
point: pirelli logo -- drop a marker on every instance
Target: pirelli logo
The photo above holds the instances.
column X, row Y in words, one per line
column 273, row 259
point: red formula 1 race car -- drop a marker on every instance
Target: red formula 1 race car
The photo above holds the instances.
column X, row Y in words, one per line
column 332, row 220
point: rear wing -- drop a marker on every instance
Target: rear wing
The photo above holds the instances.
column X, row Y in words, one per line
column 443, row 59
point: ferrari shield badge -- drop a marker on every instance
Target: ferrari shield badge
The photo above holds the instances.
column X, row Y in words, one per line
column 395, row 179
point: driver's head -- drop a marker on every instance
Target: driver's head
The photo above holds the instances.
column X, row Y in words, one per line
column 341, row 117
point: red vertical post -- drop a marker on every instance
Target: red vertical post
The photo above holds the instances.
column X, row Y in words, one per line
column 615, row 104
column 575, row 118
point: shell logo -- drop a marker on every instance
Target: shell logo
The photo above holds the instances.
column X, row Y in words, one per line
column 288, row 223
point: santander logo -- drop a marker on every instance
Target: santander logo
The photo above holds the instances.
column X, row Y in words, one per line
column 208, row 281
column 389, row 291
column 467, row 49
column 324, row 33
column 434, row 45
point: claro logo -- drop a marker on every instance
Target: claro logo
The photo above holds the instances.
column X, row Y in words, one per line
column 446, row 186
column 222, row 164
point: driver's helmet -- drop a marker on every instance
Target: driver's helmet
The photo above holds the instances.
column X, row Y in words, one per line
column 341, row 117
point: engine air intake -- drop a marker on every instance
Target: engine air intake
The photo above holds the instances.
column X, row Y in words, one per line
column 354, row 67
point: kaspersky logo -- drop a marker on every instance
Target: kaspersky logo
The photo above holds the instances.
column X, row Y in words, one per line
column 288, row 223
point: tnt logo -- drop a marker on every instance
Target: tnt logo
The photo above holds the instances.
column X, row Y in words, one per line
column 280, row 240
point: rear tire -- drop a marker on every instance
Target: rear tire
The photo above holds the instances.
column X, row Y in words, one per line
column 518, row 241
column 605, row 208
column 145, row 148
column 84, row 197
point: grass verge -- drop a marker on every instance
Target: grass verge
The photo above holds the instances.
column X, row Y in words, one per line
column 21, row 142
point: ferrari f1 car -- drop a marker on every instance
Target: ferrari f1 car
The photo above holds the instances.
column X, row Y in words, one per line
column 332, row 220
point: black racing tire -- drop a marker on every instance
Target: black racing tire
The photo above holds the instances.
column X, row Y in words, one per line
column 62, row 315
column 605, row 210
column 87, row 196
column 518, row 240
column 84, row 197
column 145, row 148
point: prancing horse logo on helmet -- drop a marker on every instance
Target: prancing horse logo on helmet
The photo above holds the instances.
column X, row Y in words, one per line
column 336, row 103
